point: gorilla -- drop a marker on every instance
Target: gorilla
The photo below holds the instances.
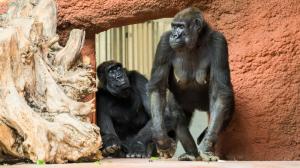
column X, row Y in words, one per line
column 190, row 71
column 123, row 112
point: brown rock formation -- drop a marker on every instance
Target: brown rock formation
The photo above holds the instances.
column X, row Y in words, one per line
column 42, row 116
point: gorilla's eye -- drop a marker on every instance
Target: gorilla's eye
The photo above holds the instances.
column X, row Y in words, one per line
column 177, row 25
column 110, row 72
column 181, row 26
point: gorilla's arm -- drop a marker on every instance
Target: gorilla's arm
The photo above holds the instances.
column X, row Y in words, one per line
column 105, row 122
column 158, row 85
column 138, row 145
column 108, row 133
column 221, row 87
column 221, row 92
column 139, row 82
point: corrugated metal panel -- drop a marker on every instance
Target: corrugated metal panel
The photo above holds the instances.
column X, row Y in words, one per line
column 133, row 45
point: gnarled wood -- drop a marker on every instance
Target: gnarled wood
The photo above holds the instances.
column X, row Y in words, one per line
column 41, row 85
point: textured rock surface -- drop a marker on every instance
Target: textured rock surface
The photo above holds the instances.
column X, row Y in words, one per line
column 264, row 47
column 42, row 86
column 100, row 15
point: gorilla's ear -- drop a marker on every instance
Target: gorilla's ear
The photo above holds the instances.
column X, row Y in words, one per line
column 100, row 84
column 126, row 71
column 198, row 23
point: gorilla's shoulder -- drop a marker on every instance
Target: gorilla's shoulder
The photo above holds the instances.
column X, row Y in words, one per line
column 164, row 38
column 136, row 76
column 137, row 79
column 216, row 35
column 101, row 93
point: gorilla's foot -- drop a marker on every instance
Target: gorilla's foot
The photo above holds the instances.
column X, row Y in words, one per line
column 137, row 155
column 167, row 152
column 206, row 149
column 166, row 147
column 188, row 157
column 138, row 150
column 208, row 156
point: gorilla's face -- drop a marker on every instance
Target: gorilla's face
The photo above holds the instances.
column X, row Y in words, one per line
column 117, row 81
column 184, row 33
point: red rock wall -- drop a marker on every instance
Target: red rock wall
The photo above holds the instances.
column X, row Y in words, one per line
column 264, row 48
column 3, row 6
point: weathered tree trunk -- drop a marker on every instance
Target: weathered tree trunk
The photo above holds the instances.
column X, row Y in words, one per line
column 41, row 85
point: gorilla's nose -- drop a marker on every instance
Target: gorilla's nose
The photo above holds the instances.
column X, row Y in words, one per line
column 177, row 35
column 119, row 77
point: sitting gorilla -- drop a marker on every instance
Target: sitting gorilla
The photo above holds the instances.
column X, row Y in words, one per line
column 123, row 112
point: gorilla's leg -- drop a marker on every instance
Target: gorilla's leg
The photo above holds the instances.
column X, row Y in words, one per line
column 183, row 133
column 139, row 145
column 188, row 143
column 218, row 114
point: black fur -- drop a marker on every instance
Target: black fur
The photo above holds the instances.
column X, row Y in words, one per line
column 124, row 115
column 191, row 61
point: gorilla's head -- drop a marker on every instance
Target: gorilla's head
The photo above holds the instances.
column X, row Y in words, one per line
column 113, row 78
column 186, row 27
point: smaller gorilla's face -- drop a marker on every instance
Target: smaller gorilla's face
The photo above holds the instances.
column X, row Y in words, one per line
column 184, row 33
column 117, row 81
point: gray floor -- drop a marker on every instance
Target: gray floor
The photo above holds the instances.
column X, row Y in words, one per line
column 198, row 124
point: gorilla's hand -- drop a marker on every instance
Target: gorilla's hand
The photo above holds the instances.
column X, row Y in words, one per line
column 111, row 145
column 138, row 149
column 166, row 146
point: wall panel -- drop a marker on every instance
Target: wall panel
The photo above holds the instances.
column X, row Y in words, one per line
column 132, row 45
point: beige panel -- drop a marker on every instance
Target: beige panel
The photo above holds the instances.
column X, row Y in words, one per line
column 138, row 45
column 124, row 47
column 108, row 45
column 112, row 44
column 117, row 48
column 102, row 47
column 130, row 47
column 145, row 48
column 133, row 45
column 150, row 48
column 141, row 47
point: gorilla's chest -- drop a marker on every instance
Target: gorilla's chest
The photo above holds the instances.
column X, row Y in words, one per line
column 127, row 112
column 191, row 69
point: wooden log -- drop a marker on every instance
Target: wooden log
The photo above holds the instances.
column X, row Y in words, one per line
column 41, row 88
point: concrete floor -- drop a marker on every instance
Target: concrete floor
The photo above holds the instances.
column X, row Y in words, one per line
column 145, row 163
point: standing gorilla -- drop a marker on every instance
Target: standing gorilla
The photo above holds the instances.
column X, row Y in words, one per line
column 123, row 112
column 192, row 62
